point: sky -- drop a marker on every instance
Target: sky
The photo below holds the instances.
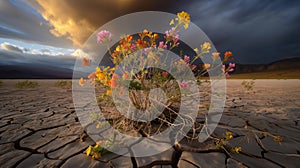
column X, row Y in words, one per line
column 48, row 33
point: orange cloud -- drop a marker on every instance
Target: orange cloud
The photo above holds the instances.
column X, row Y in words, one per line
column 78, row 19
column 65, row 21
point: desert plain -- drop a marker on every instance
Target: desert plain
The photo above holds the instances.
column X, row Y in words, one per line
column 39, row 128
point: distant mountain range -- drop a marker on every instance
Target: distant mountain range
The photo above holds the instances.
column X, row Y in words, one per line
column 34, row 72
column 286, row 64
column 46, row 72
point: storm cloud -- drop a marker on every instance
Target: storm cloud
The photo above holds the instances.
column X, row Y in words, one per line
column 21, row 22
column 256, row 31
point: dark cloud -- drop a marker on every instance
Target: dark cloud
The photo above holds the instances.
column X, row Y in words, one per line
column 17, row 58
column 256, row 31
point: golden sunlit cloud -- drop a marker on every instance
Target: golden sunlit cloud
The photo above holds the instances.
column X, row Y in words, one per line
column 77, row 20
column 64, row 21
column 80, row 53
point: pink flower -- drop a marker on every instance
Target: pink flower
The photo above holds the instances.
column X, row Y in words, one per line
column 147, row 50
column 172, row 33
column 175, row 39
column 223, row 68
column 165, row 74
column 104, row 36
column 186, row 64
column 227, row 75
column 186, row 58
column 132, row 47
column 231, row 65
column 162, row 45
column 184, row 84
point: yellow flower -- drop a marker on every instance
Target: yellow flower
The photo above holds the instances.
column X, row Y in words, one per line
column 88, row 150
column 205, row 47
column 108, row 92
column 81, row 81
column 184, row 18
column 99, row 74
column 215, row 55
column 98, row 125
column 172, row 22
column 228, row 135
column 237, row 149
column 118, row 48
column 196, row 50
column 277, row 139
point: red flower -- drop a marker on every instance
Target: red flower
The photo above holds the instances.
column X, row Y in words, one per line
column 165, row 74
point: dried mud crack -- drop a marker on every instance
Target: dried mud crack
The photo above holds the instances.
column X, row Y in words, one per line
column 39, row 128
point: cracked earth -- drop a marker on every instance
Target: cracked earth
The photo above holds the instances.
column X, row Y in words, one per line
column 39, row 128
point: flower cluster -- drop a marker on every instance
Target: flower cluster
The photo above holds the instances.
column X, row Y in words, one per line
column 183, row 18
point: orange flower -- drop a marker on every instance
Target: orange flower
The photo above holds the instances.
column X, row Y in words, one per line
column 96, row 155
column 227, row 54
column 113, row 83
column 92, row 77
column 129, row 38
column 155, row 36
column 81, row 81
column 85, row 62
column 146, row 33
column 115, row 76
column 141, row 44
column 206, row 66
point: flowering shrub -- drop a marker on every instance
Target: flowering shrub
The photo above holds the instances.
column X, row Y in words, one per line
column 248, row 85
column 138, row 49
column 63, row 84
column 26, row 84
column 145, row 49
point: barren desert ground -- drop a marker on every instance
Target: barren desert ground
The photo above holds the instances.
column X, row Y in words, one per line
column 39, row 128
